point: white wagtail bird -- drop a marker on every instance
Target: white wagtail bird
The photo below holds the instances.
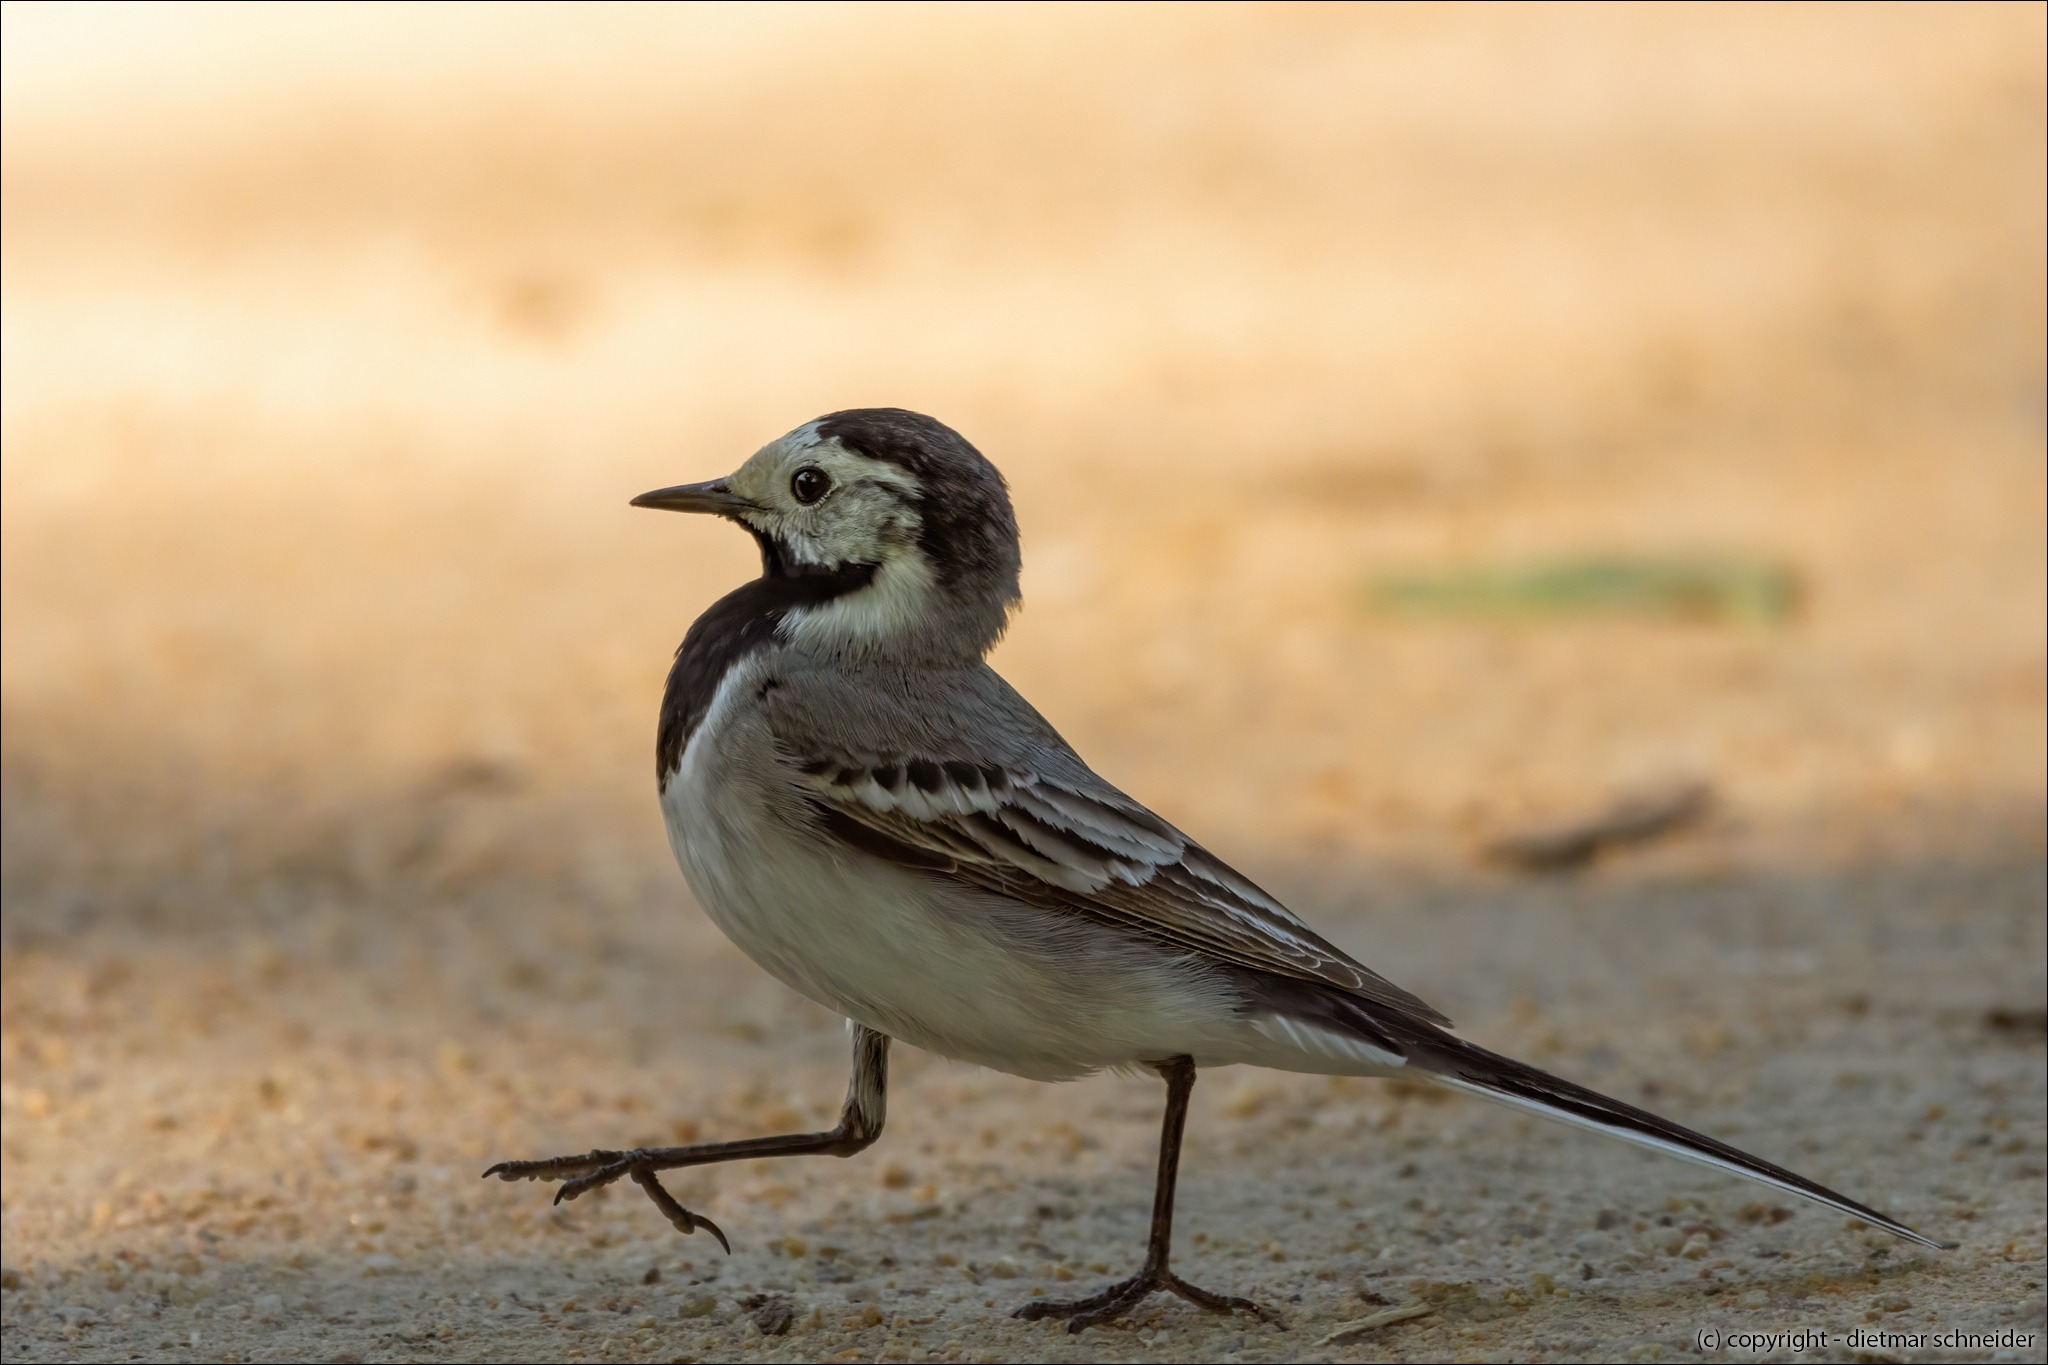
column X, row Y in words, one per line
column 877, row 818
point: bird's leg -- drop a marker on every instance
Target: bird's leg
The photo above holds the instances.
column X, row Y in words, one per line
column 1154, row 1278
column 860, row 1123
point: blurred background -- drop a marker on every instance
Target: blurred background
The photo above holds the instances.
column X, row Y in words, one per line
column 1331, row 353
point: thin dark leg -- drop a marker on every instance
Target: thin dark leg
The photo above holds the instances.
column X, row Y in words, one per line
column 860, row 1123
column 1122, row 1297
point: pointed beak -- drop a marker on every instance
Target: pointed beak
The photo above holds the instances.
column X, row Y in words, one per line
column 713, row 497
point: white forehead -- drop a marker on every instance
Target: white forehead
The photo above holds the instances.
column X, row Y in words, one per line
column 806, row 446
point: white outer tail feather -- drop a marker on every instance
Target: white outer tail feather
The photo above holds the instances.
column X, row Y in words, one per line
column 1689, row 1153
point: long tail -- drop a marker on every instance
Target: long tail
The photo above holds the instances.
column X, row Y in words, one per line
column 1458, row 1064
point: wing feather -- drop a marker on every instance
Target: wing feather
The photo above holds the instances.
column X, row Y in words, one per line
column 1075, row 848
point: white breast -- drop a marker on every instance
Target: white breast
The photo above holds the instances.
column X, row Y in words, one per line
column 957, row 973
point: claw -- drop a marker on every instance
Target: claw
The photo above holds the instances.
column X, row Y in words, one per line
column 685, row 1221
column 554, row 1168
column 595, row 1180
column 1120, row 1298
column 596, row 1169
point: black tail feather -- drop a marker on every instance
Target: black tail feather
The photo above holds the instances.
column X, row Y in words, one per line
column 1451, row 1061
column 1463, row 1066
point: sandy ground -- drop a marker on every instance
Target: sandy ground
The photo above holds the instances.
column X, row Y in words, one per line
column 333, row 347
column 276, row 1156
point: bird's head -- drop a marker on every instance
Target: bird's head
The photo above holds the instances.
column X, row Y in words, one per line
column 906, row 524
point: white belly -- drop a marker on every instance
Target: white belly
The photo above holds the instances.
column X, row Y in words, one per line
column 954, row 972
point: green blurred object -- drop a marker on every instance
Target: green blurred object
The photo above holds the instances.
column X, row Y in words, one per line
column 1726, row 590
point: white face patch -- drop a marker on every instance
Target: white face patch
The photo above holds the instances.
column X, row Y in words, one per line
column 868, row 514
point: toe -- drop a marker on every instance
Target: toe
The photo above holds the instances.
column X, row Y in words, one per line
column 1215, row 1303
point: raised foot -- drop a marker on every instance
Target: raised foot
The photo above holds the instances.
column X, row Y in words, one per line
column 1122, row 1297
column 596, row 1169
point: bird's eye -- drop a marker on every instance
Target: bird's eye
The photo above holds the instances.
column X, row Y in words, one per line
column 809, row 484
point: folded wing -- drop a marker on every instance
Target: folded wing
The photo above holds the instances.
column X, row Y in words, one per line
column 1074, row 847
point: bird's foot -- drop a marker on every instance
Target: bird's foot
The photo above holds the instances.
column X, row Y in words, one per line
column 1122, row 1297
column 596, row 1169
